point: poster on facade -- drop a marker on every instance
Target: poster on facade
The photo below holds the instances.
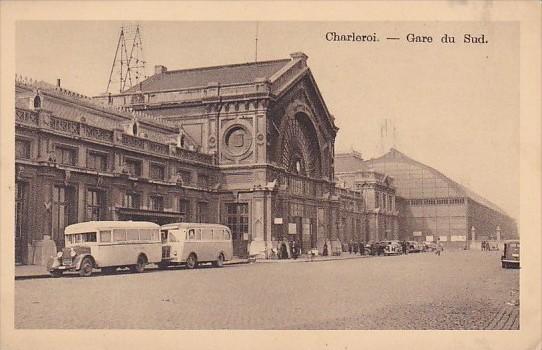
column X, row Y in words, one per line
column 366, row 121
column 292, row 228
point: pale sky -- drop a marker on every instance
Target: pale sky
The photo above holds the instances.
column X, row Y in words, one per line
column 455, row 107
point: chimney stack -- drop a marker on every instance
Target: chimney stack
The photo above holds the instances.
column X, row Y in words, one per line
column 159, row 69
column 58, row 82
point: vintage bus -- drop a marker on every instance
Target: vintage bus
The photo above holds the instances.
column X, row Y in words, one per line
column 107, row 245
column 193, row 243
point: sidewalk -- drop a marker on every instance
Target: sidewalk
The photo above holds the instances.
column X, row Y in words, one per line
column 23, row 272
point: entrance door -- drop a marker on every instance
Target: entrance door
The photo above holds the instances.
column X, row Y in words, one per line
column 63, row 212
column 21, row 221
column 237, row 221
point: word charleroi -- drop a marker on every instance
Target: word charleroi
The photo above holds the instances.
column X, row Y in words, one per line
column 334, row 36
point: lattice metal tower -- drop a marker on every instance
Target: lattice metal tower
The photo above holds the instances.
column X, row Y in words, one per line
column 128, row 67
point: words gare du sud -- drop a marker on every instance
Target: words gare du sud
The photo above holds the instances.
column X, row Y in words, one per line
column 410, row 37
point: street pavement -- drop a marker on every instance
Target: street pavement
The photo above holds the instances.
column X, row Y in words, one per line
column 457, row 290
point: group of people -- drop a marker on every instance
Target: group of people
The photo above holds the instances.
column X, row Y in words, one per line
column 486, row 246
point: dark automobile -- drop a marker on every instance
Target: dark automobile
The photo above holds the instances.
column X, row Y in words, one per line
column 510, row 255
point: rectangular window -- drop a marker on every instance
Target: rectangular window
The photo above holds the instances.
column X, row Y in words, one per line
column 184, row 209
column 97, row 161
column 132, row 166
column 131, row 200
column 185, row 175
column 119, row 235
column 203, row 180
column 207, row 234
column 157, row 172
column 132, row 235
column 95, row 205
column 105, row 236
column 145, row 235
column 218, row 235
column 65, row 155
column 156, row 203
column 22, row 149
column 202, row 212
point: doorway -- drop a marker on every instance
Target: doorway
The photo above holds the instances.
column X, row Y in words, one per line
column 21, row 221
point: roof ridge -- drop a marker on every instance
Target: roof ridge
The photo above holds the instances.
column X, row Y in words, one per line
column 462, row 187
column 225, row 65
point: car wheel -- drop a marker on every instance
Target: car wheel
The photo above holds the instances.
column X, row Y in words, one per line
column 219, row 261
column 140, row 265
column 192, row 261
column 86, row 268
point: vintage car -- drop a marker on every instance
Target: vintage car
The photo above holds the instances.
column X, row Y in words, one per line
column 392, row 247
column 510, row 255
column 415, row 247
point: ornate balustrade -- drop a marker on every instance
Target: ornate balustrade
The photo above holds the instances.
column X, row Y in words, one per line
column 74, row 128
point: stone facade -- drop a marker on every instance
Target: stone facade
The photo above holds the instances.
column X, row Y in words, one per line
column 250, row 146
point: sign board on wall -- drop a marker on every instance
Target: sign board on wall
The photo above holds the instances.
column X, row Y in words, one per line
column 443, row 238
column 278, row 221
column 292, row 228
column 417, row 233
column 429, row 238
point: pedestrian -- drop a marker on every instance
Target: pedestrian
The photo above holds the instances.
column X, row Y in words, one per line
column 404, row 247
column 350, row 244
column 356, row 248
column 324, row 250
column 438, row 248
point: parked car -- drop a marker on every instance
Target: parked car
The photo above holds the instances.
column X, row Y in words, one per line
column 414, row 247
column 510, row 255
column 392, row 247
column 429, row 246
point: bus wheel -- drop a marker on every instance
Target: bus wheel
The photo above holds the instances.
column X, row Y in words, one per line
column 140, row 265
column 219, row 261
column 86, row 268
column 192, row 261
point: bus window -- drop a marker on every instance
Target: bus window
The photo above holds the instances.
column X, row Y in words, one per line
column 191, row 234
column 172, row 237
column 132, row 235
column 227, row 235
column 218, row 235
column 145, row 235
column 88, row 237
column 206, row 234
column 163, row 234
column 198, row 234
column 105, row 236
column 119, row 235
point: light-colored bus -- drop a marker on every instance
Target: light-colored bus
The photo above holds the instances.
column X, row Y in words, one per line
column 193, row 243
column 108, row 245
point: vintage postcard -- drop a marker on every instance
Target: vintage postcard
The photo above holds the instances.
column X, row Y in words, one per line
column 298, row 174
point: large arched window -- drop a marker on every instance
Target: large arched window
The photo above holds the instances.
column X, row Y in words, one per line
column 300, row 150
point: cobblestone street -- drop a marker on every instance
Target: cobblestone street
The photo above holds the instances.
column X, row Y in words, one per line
column 458, row 290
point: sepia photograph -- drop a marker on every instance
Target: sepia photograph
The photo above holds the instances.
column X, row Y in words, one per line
column 268, row 174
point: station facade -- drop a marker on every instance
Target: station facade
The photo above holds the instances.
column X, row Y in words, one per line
column 250, row 146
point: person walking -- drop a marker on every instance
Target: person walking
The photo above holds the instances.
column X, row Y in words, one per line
column 438, row 248
column 324, row 250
